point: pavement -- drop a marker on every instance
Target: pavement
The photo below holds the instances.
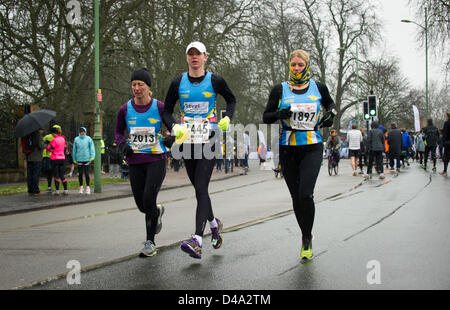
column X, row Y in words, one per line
column 20, row 203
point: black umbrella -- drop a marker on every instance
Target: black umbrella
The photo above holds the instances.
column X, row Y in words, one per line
column 33, row 121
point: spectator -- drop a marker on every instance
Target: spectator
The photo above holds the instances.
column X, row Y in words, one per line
column 115, row 159
column 431, row 139
column 354, row 138
column 446, row 144
column 395, row 146
column 34, row 162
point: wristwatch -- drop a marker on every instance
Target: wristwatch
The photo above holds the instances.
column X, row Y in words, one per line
column 334, row 111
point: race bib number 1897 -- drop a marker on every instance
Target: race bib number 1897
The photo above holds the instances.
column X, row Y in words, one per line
column 304, row 116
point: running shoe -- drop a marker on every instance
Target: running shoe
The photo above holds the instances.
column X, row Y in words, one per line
column 81, row 190
column 216, row 237
column 159, row 223
column 88, row 190
column 192, row 247
column 306, row 252
column 149, row 249
column 443, row 173
column 382, row 176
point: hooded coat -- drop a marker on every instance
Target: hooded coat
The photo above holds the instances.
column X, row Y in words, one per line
column 375, row 138
column 395, row 141
column 83, row 148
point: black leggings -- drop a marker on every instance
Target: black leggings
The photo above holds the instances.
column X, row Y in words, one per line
column 83, row 168
column 430, row 149
column 301, row 166
column 146, row 181
column 58, row 171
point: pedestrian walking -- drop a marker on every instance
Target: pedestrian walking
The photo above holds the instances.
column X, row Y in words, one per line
column 446, row 144
column 145, row 152
column 83, row 155
column 363, row 152
column 298, row 104
column 115, row 159
column 431, row 135
column 406, row 147
column 420, row 147
column 375, row 148
column 34, row 161
column 197, row 91
column 394, row 139
column 57, row 149
column 354, row 139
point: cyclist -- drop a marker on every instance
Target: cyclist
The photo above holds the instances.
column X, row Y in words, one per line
column 334, row 145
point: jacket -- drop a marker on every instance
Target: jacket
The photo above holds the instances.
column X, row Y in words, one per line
column 57, row 147
column 395, row 142
column 431, row 134
column 446, row 133
column 406, row 140
column 420, row 145
column 37, row 147
column 83, row 148
column 115, row 156
column 375, row 138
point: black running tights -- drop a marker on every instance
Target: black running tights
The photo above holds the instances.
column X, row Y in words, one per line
column 199, row 172
column 146, row 180
column 301, row 166
column 83, row 168
column 58, row 171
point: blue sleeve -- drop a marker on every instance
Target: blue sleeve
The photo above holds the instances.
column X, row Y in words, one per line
column 74, row 151
column 91, row 149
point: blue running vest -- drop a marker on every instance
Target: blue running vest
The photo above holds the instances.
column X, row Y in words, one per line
column 309, row 106
column 144, row 130
column 198, row 100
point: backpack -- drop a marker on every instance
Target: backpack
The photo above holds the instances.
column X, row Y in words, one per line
column 27, row 144
column 431, row 136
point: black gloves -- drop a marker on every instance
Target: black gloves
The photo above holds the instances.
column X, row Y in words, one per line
column 327, row 119
column 168, row 141
column 125, row 149
column 285, row 113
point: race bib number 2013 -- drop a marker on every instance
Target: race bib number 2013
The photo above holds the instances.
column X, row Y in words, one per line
column 142, row 138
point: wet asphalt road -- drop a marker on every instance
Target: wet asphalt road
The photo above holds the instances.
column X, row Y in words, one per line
column 391, row 234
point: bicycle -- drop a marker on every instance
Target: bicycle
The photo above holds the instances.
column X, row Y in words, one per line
column 333, row 164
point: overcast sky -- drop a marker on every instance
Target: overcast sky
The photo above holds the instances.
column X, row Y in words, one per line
column 400, row 41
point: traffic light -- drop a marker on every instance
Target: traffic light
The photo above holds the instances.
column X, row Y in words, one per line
column 372, row 99
column 366, row 110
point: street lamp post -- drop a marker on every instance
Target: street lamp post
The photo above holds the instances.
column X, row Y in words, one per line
column 357, row 86
column 97, row 136
column 426, row 52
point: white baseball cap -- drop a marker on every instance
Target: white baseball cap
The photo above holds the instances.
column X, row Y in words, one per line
column 197, row 45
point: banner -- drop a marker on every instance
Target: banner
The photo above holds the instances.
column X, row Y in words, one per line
column 416, row 119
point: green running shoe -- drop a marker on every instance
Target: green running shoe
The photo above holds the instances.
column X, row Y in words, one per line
column 306, row 252
column 149, row 249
